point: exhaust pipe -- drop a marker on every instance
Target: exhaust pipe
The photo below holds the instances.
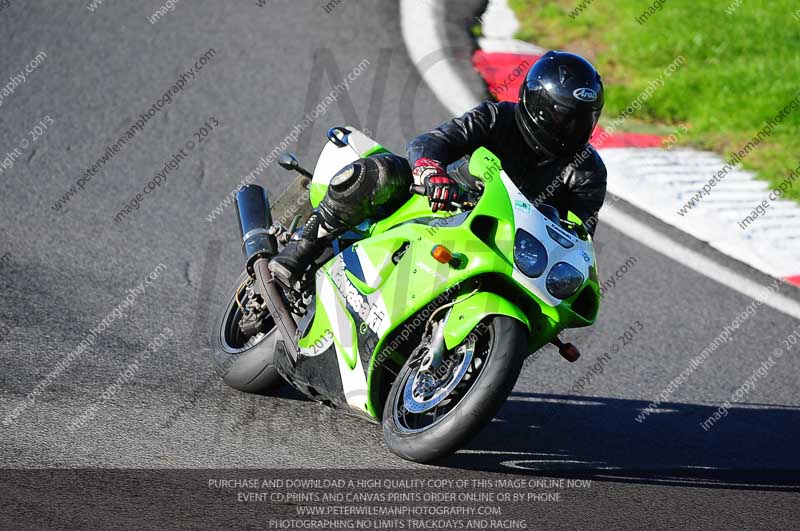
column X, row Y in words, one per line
column 255, row 219
column 258, row 246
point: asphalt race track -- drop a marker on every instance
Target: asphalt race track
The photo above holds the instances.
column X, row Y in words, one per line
column 64, row 269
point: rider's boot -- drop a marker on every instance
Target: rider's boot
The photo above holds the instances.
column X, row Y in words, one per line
column 289, row 265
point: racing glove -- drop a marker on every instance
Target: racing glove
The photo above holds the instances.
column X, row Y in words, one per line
column 440, row 189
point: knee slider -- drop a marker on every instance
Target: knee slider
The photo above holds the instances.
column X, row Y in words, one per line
column 347, row 177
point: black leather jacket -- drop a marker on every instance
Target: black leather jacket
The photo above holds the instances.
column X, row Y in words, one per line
column 576, row 182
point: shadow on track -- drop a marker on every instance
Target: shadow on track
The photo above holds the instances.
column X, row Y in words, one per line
column 754, row 447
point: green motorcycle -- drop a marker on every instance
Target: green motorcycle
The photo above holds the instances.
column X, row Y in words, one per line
column 419, row 320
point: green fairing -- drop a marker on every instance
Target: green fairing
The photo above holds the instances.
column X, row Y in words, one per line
column 418, row 279
column 471, row 310
column 377, row 148
column 316, row 192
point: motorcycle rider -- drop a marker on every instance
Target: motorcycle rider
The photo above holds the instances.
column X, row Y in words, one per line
column 541, row 141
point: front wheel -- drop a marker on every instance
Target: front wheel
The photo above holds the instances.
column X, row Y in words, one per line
column 429, row 415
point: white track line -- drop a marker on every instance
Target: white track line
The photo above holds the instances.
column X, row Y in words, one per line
column 420, row 22
column 649, row 237
column 499, row 24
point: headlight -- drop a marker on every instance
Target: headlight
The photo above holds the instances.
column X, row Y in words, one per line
column 530, row 256
column 563, row 280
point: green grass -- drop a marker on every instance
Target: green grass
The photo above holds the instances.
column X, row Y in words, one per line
column 740, row 70
column 476, row 30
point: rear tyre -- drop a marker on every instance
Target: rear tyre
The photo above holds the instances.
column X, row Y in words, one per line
column 418, row 432
column 245, row 363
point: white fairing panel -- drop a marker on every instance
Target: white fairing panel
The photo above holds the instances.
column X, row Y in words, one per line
column 333, row 158
column 526, row 216
column 354, row 381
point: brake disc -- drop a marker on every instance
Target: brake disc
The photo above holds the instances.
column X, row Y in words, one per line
column 424, row 391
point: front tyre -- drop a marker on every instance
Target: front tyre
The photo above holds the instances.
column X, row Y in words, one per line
column 245, row 361
column 427, row 418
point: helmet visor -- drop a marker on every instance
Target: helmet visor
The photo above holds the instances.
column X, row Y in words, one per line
column 570, row 127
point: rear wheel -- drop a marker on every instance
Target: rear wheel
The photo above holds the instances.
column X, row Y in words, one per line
column 245, row 358
column 430, row 414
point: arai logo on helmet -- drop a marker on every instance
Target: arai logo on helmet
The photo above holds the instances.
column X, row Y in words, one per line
column 584, row 94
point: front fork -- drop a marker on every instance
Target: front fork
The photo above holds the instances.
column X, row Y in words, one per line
column 437, row 347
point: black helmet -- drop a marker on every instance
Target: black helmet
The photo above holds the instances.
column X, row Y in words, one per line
column 559, row 103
